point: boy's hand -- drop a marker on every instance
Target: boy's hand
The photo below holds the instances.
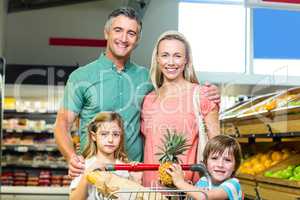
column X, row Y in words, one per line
column 177, row 174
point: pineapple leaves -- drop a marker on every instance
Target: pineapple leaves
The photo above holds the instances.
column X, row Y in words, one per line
column 174, row 144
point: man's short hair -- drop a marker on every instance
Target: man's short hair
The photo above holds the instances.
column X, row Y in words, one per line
column 125, row 11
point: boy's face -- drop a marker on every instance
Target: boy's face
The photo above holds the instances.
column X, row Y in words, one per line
column 108, row 137
column 220, row 166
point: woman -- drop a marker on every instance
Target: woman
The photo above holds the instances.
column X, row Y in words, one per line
column 170, row 105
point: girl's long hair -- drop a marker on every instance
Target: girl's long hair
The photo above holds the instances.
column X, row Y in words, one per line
column 189, row 71
column 91, row 148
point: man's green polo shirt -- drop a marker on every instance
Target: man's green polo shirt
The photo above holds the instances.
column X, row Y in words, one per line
column 98, row 86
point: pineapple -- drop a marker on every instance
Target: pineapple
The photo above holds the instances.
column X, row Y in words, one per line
column 175, row 144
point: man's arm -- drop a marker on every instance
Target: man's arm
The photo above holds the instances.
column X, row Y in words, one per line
column 63, row 124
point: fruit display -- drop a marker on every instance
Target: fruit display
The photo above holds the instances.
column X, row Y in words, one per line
column 278, row 101
column 294, row 103
column 236, row 109
column 291, row 172
column 262, row 161
column 175, row 144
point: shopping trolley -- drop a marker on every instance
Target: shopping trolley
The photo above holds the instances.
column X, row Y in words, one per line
column 155, row 192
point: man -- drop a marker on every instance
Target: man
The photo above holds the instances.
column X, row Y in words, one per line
column 111, row 83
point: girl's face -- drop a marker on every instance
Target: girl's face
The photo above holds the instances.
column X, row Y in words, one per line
column 108, row 138
column 171, row 58
column 220, row 166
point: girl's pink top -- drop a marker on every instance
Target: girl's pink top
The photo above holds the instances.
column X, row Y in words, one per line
column 174, row 113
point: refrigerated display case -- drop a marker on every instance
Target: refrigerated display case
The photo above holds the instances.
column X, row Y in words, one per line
column 26, row 135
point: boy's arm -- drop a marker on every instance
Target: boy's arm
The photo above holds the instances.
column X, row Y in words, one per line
column 178, row 180
column 201, row 194
column 195, row 193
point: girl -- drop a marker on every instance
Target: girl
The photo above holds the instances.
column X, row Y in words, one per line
column 170, row 105
column 222, row 157
column 106, row 146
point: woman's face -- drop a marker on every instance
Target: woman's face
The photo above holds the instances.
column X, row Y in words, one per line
column 171, row 58
column 108, row 138
column 220, row 166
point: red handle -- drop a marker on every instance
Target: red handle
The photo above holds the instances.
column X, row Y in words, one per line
column 140, row 167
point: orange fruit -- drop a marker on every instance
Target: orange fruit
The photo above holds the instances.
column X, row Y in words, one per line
column 254, row 161
column 267, row 163
column 264, row 158
column 274, row 163
column 258, row 168
column 247, row 164
column 276, row 156
column 271, row 105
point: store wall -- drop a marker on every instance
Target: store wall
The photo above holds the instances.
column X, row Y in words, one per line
column 28, row 33
column 159, row 17
column 85, row 20
column 2, row 26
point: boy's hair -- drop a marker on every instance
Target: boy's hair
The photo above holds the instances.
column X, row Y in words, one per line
column 127, row 12
column 219, row 144
column 91, row 148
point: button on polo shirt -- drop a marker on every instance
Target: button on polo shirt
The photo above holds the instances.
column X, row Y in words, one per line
column 99, row 86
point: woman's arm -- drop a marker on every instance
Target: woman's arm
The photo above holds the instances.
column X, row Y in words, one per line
column 212, row 123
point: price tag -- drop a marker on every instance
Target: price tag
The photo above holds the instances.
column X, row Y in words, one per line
column 21, row 149
column 53, row 166
column 49, row 148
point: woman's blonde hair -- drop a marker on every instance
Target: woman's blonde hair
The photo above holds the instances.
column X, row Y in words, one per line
column 91, row 148
column 188, row 73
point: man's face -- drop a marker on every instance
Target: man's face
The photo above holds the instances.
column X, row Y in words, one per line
column 122, row 37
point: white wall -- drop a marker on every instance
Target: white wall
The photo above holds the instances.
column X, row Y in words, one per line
column 28, row 33
column 161, row 15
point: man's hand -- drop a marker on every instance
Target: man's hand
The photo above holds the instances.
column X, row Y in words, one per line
column 76, row 166
column 212, row 92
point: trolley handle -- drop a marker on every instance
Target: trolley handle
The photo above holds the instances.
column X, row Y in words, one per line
column 153, row 167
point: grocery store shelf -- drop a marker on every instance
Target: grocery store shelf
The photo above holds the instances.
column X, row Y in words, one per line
column 26, row 148
column 269, row 191
column 45, row 165
column 29, row 115
column 34, row 190
column 249, row 188
column 27, row 131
